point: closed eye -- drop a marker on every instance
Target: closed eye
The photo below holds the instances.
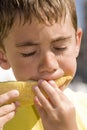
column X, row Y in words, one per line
column 28, row 54
column 60, row 48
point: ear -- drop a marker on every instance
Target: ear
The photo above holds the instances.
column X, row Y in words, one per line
column 3, row 60
column 78, row 40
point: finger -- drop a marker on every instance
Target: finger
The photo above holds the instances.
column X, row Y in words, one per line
column 7, row 109
column 7, row 96
column 43, row 102
column 1, row 128
column 39, row 108
column 53, row 84
column 4, row 119
column 54, row 96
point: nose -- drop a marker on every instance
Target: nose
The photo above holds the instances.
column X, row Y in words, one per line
column 48, row 63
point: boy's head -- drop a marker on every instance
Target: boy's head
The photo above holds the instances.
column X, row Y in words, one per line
column 42, row 10
column 39, row 38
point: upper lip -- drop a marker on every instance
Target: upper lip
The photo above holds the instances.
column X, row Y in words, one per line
column 48, row 77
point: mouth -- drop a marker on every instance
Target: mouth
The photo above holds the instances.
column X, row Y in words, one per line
column 25, row 88
column 63, row 81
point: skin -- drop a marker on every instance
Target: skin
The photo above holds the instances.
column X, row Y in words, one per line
column 7, row 112
column 44, row 53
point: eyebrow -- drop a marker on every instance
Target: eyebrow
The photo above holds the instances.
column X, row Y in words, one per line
column 27, row 43
column 33, row 43
column 61, row 38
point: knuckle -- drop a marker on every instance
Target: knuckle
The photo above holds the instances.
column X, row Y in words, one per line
column 7, row 108
column 69, row 110
column 7, row 96
column 3, row 99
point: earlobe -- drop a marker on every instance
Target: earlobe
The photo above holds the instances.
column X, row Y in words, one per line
column 3, row 60
column 78, row 41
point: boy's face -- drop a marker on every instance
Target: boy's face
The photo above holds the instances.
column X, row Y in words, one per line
column 38, row 51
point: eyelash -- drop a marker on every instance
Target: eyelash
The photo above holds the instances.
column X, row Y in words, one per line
column 60, row 49
column 28, row 54
column 32, row 53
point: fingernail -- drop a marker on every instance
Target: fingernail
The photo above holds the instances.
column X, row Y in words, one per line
column 15, row 93
column 41, row 80
column 34, row 87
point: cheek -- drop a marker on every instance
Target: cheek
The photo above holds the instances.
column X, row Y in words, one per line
column 69, row 66
column 23, row 71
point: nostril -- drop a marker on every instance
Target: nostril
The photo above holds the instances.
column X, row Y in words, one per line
column 48, row 66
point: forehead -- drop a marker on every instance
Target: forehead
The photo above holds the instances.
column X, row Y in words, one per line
column 35, row 29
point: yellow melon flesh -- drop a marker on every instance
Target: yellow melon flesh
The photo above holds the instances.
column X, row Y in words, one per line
column 26, row 94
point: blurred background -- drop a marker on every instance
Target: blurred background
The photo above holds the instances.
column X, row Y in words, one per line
column 80, row 81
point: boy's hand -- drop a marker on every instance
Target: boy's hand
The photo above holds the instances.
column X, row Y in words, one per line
column 7, row 111
column 55, row 109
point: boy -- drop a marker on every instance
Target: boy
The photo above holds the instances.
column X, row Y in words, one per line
column 40, row 40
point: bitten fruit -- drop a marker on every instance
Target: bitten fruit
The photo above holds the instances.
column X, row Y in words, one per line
column 26, row 94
